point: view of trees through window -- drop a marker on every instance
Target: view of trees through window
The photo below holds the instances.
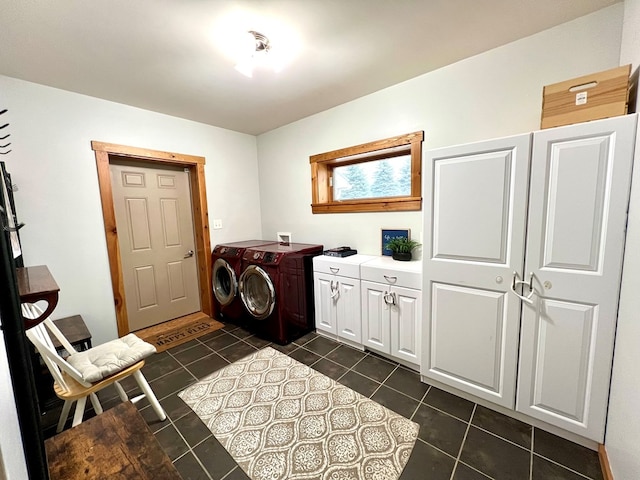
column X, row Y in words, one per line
column 390, row 177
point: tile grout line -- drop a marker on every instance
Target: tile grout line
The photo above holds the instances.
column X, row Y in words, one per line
column 464, row 439
column 502, row 438
column 531, row 454
column 484, row 475
column 213, row 352
column 420, row 402
column 230, row 472
column 204, row 469
column 350, row 369
column 436, row 448
column 582, row 475
column 555, row 462
column 181, row 436
column 381, row 383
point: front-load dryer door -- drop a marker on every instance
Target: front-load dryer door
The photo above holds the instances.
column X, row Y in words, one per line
column 225, row 284
column 257, row 292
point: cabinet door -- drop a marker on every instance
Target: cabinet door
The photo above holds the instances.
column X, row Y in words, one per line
column 324, row 303
column 405, row 324
column 580, row 181
column 375, row 316
column 349, row 321
column 474, row 224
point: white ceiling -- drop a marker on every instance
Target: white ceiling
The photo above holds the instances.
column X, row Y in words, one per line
column 165, row 55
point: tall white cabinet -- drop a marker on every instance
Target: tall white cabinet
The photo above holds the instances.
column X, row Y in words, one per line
column 524, row 239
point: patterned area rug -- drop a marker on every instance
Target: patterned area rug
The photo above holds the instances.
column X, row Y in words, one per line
column 280, row 419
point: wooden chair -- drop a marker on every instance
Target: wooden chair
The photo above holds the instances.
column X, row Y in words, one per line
column 94, row 369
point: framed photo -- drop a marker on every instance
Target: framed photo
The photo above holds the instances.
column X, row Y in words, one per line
column 390, row 234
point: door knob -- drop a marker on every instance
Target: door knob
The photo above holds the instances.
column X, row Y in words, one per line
column 189, row 254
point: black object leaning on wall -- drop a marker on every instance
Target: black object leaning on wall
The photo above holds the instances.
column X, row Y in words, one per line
column 17, row 350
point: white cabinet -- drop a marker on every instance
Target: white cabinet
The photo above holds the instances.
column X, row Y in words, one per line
column 579, row 194
column 337, row 296
column 548, row 309
column 474, row 241
column 391, row 308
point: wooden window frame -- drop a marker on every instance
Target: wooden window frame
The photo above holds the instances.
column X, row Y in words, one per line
column 322, row 166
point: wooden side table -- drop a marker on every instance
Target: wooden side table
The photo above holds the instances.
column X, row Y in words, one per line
column 75, row 330
column 117, row 444
column 35, row 284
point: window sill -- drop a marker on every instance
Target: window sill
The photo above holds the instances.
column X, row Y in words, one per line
column 403, row 204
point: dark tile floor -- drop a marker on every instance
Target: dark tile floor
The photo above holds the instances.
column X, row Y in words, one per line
column 458, row 440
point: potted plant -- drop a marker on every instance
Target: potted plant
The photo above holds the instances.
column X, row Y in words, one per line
column 401, row 248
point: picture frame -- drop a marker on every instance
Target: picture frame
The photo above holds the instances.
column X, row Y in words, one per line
column 388, row 234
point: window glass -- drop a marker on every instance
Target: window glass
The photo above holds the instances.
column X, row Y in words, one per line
column 389, row 177
column 379, row 176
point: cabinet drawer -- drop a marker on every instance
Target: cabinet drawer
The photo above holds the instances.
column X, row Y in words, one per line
column 391, row 276
column 345, row 267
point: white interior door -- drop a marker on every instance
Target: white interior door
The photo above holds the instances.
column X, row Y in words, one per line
column 156, row 239
column 580, row 181
column 475, row 220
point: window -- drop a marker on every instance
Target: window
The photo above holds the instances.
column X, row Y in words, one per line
column 373, row 177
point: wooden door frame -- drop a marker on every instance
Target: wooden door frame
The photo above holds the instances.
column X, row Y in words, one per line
column 104, row 153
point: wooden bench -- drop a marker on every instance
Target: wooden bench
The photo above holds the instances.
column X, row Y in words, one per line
column 115, row 445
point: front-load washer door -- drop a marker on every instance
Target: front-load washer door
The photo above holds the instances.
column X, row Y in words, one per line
column 225, row 284
column 257, row 292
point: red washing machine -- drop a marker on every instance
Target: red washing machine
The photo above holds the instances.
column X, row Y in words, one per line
column 226, row 261
column 276, row 287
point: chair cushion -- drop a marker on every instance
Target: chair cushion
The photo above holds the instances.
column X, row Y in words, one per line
column 111, row 357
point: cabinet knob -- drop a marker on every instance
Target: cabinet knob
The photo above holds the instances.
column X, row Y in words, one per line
column 390, row 278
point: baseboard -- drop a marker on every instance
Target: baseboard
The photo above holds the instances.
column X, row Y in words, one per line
column 604, row 463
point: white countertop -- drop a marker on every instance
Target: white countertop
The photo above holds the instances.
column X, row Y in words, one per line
column 388, row 262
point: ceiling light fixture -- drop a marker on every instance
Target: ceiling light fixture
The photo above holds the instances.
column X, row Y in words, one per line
column 255, row 53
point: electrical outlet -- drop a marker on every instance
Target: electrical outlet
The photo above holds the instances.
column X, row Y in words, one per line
column 217, row 223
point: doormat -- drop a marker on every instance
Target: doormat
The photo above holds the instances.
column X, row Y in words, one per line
column 280, row 419
column 175, row 333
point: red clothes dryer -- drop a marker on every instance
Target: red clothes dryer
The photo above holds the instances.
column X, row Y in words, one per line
column 226, row 261
column 276, row 288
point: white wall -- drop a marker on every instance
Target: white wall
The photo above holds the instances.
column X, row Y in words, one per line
column 12, row 462
column 58, row 198
column 497, row 93
column 623, row 423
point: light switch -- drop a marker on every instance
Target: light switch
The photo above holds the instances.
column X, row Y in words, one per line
column 217, row 223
